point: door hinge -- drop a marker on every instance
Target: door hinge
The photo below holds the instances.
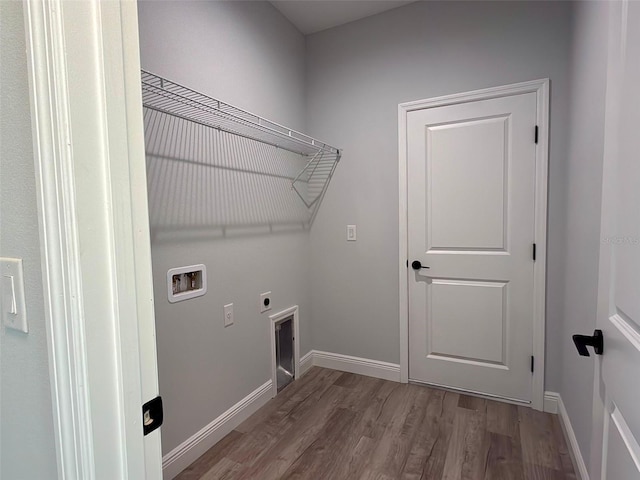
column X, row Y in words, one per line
column 533, row 360
column 533, row 253
column 152, row 415
column 536, row 134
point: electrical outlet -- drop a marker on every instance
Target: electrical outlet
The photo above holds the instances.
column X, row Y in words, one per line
column 265, row 302
column 351, row 233
column 228, row 315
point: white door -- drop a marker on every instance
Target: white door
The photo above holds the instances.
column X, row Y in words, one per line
column 471, row 205
column 615, row 448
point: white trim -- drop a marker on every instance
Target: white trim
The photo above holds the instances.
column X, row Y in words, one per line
column 572, row 442
column 551, row 400
column 360, row 366
column 191, row 449
column 63, row 296
column 540, row 265
column 625, row 433
column 403, row 236
column 532, row 86
column 121, row 34
column 306, row 362
column 626, row 329
column 275, row 318
column 96, row 259
column 541, row 88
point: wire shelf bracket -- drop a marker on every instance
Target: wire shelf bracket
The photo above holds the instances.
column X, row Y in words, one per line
column 167, row 97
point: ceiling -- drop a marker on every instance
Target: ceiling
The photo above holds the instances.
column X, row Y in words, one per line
column 311, row 16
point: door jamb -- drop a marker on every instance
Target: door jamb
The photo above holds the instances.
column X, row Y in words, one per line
column 86, row 109
column 541, row 89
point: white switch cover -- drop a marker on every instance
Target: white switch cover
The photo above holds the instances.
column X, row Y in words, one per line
column 14, row 310
column 228, row 315
column 351, row 233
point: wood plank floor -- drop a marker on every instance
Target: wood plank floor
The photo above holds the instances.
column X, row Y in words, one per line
column 334, row 425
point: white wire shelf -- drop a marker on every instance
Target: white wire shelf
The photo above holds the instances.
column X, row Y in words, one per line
column 176, row 121
column 170, row 97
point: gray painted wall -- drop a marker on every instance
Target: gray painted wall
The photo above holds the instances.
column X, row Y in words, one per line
column 26, row 433
column 357, row 75
column 247, row 54
column 582, row 192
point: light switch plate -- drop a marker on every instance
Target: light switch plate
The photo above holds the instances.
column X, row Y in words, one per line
column 351, row 233
column 228, row 315
column 14, row 310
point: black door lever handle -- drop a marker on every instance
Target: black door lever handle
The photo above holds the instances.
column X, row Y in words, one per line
column 596, row 341
column 416, row 265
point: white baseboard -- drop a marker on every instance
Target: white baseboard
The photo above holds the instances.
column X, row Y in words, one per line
column 306, row 362
column 553, row 404
column 361, row 366
column 550, row 404
column 188, row 451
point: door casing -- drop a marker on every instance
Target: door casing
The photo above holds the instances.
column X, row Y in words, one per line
column 86, row 108
column 541, row 89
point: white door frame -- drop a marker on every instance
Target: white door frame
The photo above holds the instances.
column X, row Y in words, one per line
column 86, row 105
column 541, row 89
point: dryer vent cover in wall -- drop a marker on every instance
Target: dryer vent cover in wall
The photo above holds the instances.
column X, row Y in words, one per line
column 285, row 357
column 210, row 164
